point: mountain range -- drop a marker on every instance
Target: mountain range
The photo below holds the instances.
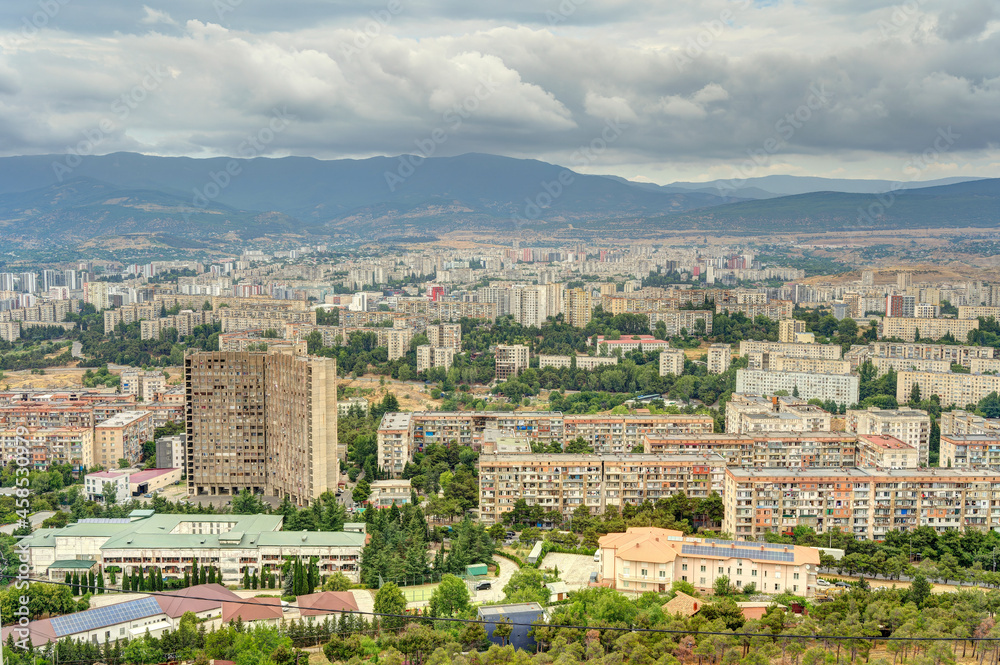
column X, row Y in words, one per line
column 65, row 200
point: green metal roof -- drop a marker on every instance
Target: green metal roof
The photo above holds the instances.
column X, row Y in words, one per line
column 72, row 564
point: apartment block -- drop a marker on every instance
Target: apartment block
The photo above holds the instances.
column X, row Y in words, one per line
column 963, row 422
column 883, row 365
column 184, row 322
column 770, row 362
column 629, row 343
column 948, row 353
column 144, row 384
column 970, row 450
column 842, row 389
column 10, row 330
column 792, row 349
column 720, row 357
column 610, row 434
column 73, row 446
column 672, row 362
column 779, row 449
column 121, row 437
column 692, row 321
column 394, row 442
column 389, row 493
column 578, row 306
column 445, row 335
column 171, row 451
column 886, row 452
column 907, row 328
column 788, row 328
column 911, row 426
column 984, row 365
column 952, row 389
column 976, row 311
column 431, row 356
column 246, row 319
column 511, row 360
column 127, row 314
column 266, row 422
column 582, row 361
column 867, row 503
column 805, row 418
column 563, row 483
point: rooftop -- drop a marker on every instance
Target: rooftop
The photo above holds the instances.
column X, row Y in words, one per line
column 123, row 419
column 887, row 442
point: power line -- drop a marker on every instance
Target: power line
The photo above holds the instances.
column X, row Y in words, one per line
column 630, row 629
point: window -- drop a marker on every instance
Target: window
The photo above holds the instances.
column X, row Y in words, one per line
column 753, row 573
column 684, row 566
column 739, row 571
column 777, row 587
column 663, row 574
column 720, row 570
column 625, row 584
column 684, row 577
column 795, row 576
column 644, row 572
column 701, row 581
column 703, row 569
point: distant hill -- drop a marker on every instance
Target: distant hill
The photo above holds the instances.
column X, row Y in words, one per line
column 974, row 204
column 786, row 185
column 400, row 197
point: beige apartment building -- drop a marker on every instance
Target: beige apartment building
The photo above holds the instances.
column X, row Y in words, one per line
column 245, row 319
column 789, row 328
column 49, row 445
column 578, row 306
column 770, row 362
column 911, row 426
column 128, row 314
column 948, row 353
column 266, row 422
column 649, row 559
column 970, row 450
column 394, row 439
column 565, row 482
column 907, row 328
column 720, row 357
column 952, row 389
column 431, row 356
column 10, row 330
column 677, row 320
column 977, row 311
column 883, row 365
column 511, row 360
column 885, row 452
column 792, row 349
column 841, row 388
column 672, row 362
column 611, row 434
column 445, row 335
column 142, row 383
column 963, row 422
column 780, row 449
column 984, row 365
column 582, row 361
column 121, row 437
column 865, row 502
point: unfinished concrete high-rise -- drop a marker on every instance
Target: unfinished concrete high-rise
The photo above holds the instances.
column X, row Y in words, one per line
column 265, row 422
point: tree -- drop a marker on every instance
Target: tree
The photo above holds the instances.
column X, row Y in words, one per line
column 390, row 600
column 915, row 394
column 336, row 582
column 361, row 491
column 109, row 492
column 248, row 503
column 525, row 586
column 503, row 629
column 920, row 590
column 450, row 598
column 722, row 587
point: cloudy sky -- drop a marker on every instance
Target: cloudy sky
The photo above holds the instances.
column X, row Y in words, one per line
column 658, row 90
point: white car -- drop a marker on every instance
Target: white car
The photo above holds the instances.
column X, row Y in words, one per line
column 597, row 555
column 822, row 582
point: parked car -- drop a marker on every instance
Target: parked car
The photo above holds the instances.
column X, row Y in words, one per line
column 843, row 584
column 822, row 582
column 597, row 555
column 484, row 586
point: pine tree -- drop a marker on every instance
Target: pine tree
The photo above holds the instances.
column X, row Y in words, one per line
column 114, row 578
column 187, row 579
column 142, row 582
column 76, row 584
column 194, row 571
column 204, row 575
column 69, row 578
column 100, row 583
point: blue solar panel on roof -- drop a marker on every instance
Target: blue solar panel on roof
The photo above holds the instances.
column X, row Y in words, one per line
column 101, row 617
column 104, row 520
column 738, row 553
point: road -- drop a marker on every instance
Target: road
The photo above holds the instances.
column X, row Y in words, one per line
column 77, row 350
column 507, row 570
